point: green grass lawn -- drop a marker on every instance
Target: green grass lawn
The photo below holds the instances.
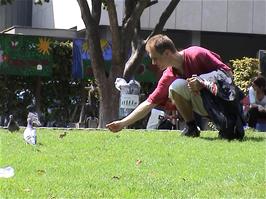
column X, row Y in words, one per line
column 133, row 164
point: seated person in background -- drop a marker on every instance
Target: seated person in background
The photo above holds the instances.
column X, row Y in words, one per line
column 257, row 101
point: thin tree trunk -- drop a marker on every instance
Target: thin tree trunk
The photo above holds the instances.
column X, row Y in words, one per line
column 72, row 118
column 83, row 103
column 109, row 105
column 38, row 95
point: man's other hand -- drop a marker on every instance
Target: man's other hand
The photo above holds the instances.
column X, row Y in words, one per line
column 194, row 84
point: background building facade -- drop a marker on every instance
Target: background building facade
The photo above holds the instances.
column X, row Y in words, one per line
column 232, row 28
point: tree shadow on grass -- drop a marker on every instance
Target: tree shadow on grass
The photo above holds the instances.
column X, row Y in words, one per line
column 210, row 138
column 253, row 139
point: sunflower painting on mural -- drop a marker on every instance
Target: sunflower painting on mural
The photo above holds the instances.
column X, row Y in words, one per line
column 106, row 49
column 44, row 45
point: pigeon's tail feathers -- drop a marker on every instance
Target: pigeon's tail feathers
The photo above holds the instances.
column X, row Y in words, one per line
column 31, row 140
column 30, row 136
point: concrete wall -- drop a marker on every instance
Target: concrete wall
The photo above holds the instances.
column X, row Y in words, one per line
column 60, row 14
column 18, row 13
column 65, row 14
column 236, row 16
column 43, row 15
column 232, row 46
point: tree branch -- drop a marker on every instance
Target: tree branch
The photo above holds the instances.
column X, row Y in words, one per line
column 136, row 58
column 85, row 13
column 116, row 39
column 152, row 3
column 163, row 19
column 129, row 7
column 131, row 23
column 92, row 29
column 96, row 10
column 134, row 62
column 133, row 20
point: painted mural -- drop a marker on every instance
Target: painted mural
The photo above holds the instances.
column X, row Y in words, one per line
column 82, row 66
column 25, row 55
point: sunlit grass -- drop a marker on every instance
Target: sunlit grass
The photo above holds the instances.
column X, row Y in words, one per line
column 133, row 164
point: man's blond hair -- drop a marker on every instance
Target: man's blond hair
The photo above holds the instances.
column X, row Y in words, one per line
column 160, row 43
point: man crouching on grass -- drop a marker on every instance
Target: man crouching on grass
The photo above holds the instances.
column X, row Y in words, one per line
column 179, row 87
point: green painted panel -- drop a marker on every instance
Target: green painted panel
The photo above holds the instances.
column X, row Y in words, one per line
column 149, row 73
column 25, row 55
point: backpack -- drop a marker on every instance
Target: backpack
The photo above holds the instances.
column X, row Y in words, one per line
column 225, row 110
column 165, row 123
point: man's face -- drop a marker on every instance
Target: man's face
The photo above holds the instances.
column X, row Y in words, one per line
column 158, row 59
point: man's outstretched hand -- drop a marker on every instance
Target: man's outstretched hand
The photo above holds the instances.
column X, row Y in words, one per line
column 115, row 126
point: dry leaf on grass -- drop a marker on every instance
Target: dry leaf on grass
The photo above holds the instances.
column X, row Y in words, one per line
column 116, row 177
column 41, row 172
column 62, row 135
column 138, row 162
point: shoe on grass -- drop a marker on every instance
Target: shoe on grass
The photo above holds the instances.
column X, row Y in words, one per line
column 190, row 132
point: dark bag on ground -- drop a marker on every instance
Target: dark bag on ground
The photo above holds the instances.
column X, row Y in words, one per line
column 165, row 124
column 225, row 113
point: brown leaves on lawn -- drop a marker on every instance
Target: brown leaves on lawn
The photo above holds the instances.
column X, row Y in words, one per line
column 41, row 171
column 116, row 177
column 27, row 190
column 138, row 162
column 62, row 135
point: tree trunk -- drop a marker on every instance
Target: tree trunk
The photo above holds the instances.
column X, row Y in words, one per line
column 83, row 103
column 38, row 95
column 109, row 104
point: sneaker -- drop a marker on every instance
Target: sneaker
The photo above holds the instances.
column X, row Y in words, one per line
column 191, row 132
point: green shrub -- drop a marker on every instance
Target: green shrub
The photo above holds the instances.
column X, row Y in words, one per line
column 245, row 70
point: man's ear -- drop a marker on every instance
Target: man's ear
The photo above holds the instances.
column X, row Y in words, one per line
column 166, row 52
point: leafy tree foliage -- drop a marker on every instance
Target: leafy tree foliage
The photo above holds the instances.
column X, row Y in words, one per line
column 4, row 2
column 245, row 70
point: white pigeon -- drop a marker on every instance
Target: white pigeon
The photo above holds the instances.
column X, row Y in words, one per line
column 30, row 132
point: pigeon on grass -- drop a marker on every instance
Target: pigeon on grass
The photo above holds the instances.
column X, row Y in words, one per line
column 30, row 132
